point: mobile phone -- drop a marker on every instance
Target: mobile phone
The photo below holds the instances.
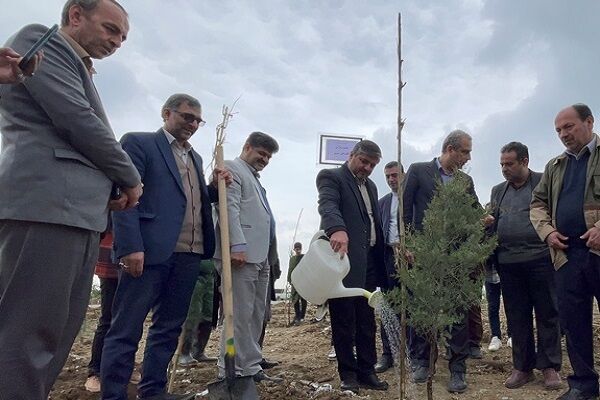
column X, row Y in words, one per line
column 115, row 193
column 37, row 46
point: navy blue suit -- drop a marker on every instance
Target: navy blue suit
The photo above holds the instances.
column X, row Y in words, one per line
column 168, row 278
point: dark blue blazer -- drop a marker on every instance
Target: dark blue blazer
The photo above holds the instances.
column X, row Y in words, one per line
column 155, row 224
column 385, row 204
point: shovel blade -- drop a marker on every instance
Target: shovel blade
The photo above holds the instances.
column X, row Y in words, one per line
column 240, row 388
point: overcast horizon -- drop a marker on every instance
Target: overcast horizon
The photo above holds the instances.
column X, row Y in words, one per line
column 499, row 70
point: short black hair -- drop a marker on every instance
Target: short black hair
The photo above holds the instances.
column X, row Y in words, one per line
column 176, row 100
column 583, row 111
column 519, row 148
column 261, row 139
column 366, row 147
column 391, row 164
column 297, row 244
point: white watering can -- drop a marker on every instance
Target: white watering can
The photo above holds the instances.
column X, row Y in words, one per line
column 318, row 276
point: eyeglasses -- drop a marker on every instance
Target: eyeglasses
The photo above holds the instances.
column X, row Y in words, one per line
column 189, row 118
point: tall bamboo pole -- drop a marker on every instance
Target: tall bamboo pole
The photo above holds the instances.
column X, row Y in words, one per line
column 401, row 250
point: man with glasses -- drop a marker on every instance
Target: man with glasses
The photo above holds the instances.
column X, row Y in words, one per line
column 160, row 244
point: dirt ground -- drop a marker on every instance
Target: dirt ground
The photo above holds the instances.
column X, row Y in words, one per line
column 308, row 374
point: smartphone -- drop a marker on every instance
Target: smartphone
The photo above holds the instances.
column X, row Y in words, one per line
column 37, row 46
column 115, row 193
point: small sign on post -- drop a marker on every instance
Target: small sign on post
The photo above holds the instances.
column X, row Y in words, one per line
column 335, row 149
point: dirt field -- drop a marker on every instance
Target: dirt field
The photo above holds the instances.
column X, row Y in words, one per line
column 302, row 352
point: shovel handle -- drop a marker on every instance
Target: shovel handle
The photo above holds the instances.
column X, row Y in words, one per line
column 226, row 261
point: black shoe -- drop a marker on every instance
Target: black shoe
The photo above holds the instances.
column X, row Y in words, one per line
column 266, row 364
column 385, row 362
column 420, row 374
column 349, row 384
column 202, row 357
column 167, row 396
column 457, row 383
column 475, row 353
column 262, row 377
column 576, row 394
column 372, row 382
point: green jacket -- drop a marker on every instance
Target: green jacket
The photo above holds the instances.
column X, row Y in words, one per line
column 545, row 199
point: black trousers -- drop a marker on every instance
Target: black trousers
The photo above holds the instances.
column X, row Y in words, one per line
column 577, row 283
column 108, row 287
column 529, row 287
column 300, row 309
column 458, row 345
column 353, row 322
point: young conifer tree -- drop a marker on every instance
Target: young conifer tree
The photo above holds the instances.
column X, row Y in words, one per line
column 444, row 279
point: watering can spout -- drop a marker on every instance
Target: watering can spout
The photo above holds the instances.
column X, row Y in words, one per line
column 342, row 291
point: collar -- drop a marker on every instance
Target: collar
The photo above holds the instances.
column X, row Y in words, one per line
column 170, row 138
column 441, row 169
column 80, row 51
column 590, row 146
column 251, row 168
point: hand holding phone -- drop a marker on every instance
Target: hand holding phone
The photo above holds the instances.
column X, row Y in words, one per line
column 32, row 53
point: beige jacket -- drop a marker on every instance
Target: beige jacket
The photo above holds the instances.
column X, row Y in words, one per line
column 545, row 199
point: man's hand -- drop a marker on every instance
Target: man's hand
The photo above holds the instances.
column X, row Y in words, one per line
column 410, row 257
column 223, row 174
column 9, row 66
column 339, row 243
column 133, row 264
column 133, row 195
column 238, row 259
column 488, row 220
column 593, row 238
column 556, row 241
column 118, row 204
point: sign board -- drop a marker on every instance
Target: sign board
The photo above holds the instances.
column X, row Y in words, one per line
column 335, row 149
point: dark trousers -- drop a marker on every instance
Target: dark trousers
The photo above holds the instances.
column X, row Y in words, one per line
column 475, row 326
column 458, row 344
column 108, row 287
column 493, row 291
column 46, row 274
column 390, row 267
column 300, row 308
column 166, row 289
column 529, row 287
column 577, row 283
column 353, row 322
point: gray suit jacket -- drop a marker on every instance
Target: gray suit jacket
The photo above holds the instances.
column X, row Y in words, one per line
column 249, row 220
column 59, row 156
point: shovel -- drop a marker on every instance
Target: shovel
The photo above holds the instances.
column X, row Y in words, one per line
column 232, row 387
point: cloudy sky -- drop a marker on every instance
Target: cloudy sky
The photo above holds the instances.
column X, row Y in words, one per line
column 498, row 69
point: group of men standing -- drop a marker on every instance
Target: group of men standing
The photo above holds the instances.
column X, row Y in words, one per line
column 60, row 168
column 60, row 162
column 548, row 229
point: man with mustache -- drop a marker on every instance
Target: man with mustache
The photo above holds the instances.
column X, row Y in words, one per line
column 58, row 162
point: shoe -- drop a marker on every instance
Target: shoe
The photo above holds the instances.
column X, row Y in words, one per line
column 385, row 362
column 518, row 378
column 349, row 384
column 204, row 358
column 495, row 344
column 509, row 342
column 186, row 361
column 262, row 377
column 92, row 384
column 552, row 379
column 266, row 364
column 331, row 355
column 457, row 383
column 576, row 394
column 321, row 312
column 372, row 382
column 168, row 396
column 475, row 353
column 420, row 374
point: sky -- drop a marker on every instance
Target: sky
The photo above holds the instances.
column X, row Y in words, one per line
column 498, row 69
